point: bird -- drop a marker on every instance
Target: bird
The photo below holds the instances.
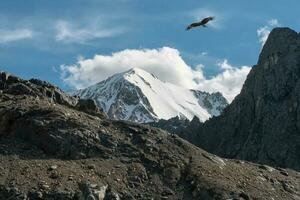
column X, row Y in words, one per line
column 203, row 23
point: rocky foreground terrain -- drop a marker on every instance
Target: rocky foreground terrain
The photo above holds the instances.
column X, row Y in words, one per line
column 262, row 124
column 53, row 146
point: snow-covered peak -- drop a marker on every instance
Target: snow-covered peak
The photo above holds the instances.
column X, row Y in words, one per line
column 137, row 72
column 140, row 96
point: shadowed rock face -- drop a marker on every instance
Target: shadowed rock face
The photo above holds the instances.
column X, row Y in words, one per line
column 52, row 149
column 89, row 106
column 262, row 124
column 175, row 125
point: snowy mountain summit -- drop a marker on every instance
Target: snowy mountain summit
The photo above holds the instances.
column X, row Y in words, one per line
column 139, row 96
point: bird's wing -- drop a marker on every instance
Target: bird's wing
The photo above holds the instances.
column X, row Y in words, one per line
column 203, row 21
column 193, row 25
column 196, row 24
column 207, row 19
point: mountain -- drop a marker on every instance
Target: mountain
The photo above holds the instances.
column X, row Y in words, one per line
column 262, row 124
column 139, row 96
column 53, row 146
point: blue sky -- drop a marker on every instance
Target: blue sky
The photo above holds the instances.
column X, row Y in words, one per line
column 37, row 37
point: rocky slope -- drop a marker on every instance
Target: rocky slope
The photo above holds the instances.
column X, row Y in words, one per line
column 61, row 148
column 139, row 96
column 262, row 124
column 175, row 125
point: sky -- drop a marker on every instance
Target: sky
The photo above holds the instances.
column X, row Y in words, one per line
column 74, row 44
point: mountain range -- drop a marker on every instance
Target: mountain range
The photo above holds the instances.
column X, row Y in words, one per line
column 139, row 96
column 54, row 146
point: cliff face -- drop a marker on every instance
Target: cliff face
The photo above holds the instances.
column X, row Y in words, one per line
column 262, row 124
column 68, row 149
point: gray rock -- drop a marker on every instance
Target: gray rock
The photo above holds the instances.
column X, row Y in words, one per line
column 93, row 191
column 268, row 168
column 89, row 106
column 53, row 167
column 91, row 166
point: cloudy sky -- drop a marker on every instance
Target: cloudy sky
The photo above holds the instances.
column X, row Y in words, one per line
column 74, row 44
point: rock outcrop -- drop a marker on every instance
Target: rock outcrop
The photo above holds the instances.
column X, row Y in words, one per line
column 175, row 125
column 262, row 124
column 89, row 106
column 13, row 85
column 51, row 149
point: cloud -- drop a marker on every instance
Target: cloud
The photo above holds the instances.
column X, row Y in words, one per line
column 166, row 63
column 14, row 35
column 71, row 33
column 264, row 31
column 224, row 65
column 229, row 82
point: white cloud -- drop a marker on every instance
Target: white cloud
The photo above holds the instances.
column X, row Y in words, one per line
column 224, row 65
column 264, row 31
column 70, row 33
column 14, row 35
column 229, row 82
column 166, row 63
column 273, row 22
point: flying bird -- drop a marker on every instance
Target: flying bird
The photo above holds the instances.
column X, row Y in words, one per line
column 203, row 23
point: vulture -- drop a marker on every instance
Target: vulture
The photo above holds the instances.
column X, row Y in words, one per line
column 203, row 23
